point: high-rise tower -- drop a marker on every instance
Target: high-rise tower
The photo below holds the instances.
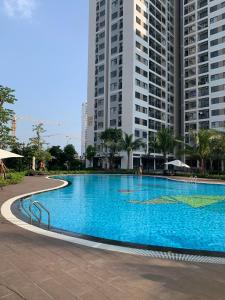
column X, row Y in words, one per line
column 83, row 128
column 133, row 69
column 203, row 58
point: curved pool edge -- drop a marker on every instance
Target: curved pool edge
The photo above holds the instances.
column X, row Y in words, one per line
column 163, row 253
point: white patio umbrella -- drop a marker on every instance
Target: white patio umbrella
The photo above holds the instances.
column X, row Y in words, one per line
column 6, row 154
column 178, row 163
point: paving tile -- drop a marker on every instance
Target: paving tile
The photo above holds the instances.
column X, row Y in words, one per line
column 14, row 279
column 26, row 263
column 5, row 265
column 70, row 283
column 98, row 284
column 94, row 295
column 102, row 272
column 4, row 291
column 35, row 293
column 56, row 290
column 4, row 249
column 12, row 297
column 39, row 275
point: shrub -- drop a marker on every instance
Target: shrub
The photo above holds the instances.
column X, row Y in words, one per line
column 35, row 173
column 12, row 178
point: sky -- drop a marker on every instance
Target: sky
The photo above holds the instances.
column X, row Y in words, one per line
column 43, row 56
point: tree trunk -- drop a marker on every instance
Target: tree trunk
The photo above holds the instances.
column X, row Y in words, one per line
column 33, row 163
column 2, row 169
column 198, row 164
column 154, row 164
column 128, row 160
column 222, row 165
column 110, row 163
column 211, row 165
column 165, row 161
column 202, row 166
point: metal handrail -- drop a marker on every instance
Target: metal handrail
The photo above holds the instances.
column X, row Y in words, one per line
column 26, row 211
column 39, row 207
column 38, row 218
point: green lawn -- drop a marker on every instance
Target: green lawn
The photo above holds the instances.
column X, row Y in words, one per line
column 12, row 178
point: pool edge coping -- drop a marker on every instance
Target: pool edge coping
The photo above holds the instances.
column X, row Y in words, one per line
column 6, row 211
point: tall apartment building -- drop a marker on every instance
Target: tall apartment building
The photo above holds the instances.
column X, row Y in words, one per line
column 203, row 59
column 133, row 75
column 83, row 128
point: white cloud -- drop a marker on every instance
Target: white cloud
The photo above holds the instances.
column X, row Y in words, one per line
column 19, row 8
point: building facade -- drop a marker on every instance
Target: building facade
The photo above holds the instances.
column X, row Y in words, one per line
column 83, row 128
column 203, row 62
column 133, row 74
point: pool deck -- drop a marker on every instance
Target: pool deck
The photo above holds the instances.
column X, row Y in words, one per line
column 198, row 180
column 35, row 267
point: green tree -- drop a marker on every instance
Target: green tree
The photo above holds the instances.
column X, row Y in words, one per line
column 129, row 145
column 43, row 156
column 24, row 163
column 199, row 146
column 7, row 97
column 90, row 153
column 164, row 142
column 217, row 148
column 58, row 160
column 70, row 156
column 112, row 138
column 37, row 143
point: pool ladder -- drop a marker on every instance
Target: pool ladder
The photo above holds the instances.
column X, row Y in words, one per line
column 40, row 207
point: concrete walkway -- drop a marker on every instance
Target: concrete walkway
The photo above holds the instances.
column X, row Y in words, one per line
column 38, row 268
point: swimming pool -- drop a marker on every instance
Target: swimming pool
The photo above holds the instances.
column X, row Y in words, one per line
column 141, row 210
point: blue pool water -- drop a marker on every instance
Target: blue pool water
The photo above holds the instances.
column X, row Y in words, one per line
column 119, row 208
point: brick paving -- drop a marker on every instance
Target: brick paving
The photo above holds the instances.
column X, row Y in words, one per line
column 39, row 268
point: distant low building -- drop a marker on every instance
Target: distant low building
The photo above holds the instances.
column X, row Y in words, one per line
column 83, row 128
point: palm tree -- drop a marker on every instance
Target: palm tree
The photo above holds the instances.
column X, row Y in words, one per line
column 111, row 138
column 164, row 142
column 217, row 148
column 199, row 146
column 90, row 153
column 129, row 145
